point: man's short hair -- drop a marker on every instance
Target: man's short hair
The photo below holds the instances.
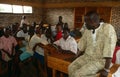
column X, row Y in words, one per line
column 93, row 15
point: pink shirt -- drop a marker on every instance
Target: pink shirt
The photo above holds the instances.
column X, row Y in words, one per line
column 6, row 44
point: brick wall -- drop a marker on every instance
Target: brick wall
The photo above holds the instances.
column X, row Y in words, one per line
column 115, row 19
column 51, row 16
column 7, row 19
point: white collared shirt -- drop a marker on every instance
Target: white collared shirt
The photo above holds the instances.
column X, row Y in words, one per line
column 22, row 34
column 23, row 21
column 68, row 44
column 33, row 41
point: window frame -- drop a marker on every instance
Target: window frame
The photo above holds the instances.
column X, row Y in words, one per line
column 12, row 9
column 5, row 6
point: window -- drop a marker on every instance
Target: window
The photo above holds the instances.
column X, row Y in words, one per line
column 17, row 9
column 27, row 9
column 5, row 8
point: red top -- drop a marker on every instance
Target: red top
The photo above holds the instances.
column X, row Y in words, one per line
column 114, row 54
column 58, row 36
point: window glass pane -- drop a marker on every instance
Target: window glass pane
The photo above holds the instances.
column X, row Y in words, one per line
column 27, row 9
column 17, row 9
column 5, row 8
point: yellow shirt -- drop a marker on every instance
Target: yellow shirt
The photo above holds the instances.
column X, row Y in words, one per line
column 104, row 45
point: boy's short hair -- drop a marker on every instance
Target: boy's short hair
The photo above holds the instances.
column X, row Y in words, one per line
column 66, row 29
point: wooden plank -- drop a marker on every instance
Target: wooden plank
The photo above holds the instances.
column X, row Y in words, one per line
column 34, row 4
column 82, row 4
column 58, row 64
column 64, row 5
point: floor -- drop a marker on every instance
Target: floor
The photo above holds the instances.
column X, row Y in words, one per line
column 29, row 69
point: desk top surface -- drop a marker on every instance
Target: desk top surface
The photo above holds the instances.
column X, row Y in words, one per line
column 53, row 52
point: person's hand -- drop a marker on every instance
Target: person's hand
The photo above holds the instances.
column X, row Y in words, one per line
column 103, row 73
column 59, row 49
column 34, row 48
column 9, row 55
column 13, row 50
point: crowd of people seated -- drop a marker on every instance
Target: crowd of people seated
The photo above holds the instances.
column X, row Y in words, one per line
column 24, row 42
column 20, row 42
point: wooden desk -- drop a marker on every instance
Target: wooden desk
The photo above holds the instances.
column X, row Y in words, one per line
column 60, row 62
column 57, row 61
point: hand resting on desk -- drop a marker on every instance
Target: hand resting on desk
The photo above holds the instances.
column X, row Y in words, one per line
column 59, row 49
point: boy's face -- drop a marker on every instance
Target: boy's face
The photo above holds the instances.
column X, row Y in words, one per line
column 7, row 32
column 38, row 30
column 25, row 29
column 65, row 34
